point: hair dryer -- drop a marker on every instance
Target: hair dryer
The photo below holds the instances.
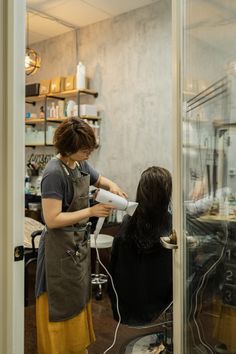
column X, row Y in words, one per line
column 105, row 197
column 115, row 200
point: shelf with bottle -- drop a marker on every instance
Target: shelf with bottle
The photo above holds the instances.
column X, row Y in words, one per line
column 61, row 94
column 55, row 112
column 62, row 119
column 33, row 121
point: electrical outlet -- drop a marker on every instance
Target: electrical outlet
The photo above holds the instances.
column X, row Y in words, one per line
column 232, row 171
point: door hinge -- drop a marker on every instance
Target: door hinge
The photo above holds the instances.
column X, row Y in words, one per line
column 19, row 253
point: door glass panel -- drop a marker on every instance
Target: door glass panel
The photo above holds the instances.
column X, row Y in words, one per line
column 209, row 165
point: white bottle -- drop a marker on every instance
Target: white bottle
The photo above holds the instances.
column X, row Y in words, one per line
column 226, row 207
column 57, row 112
column 96, row 129
column 53, row 111
column 221, row 206
column 80, row 77
column 38, row 185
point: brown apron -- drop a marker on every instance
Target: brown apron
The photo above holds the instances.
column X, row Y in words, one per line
column 68, row 258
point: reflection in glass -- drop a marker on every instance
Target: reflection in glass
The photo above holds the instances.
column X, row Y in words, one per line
column 209, row 148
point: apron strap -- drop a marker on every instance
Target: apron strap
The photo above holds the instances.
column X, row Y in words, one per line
column 76, row 228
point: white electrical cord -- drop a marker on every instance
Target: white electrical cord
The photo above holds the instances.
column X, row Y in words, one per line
column 98, row 228
column 96, row 233
column 197, row 293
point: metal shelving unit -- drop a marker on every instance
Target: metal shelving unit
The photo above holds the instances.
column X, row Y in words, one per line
column 50, row 120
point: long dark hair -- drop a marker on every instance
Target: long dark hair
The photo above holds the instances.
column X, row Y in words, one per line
column 151, row 218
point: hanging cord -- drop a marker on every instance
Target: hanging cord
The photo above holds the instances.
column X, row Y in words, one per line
column 96, row 235
column 206, row 345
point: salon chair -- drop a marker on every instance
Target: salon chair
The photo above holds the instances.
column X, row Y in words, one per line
column 99, row 279
column 155, row 342
column 32, row 231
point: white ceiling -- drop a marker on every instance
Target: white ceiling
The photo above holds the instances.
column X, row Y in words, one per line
column 77, row 13
column 213, row 22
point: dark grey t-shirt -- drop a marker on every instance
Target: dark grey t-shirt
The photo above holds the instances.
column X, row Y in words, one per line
column 56, row 185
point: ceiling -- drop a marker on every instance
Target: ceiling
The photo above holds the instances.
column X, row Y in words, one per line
column 50, row 18
column 213, row 22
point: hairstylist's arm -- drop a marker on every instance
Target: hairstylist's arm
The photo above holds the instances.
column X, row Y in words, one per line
column 106, row 183
column 55, row 218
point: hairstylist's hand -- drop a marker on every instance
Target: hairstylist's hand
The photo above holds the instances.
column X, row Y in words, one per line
column 100, row 210
column 114, row 188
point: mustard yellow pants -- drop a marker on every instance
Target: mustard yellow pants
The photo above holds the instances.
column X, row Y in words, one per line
column 225, row 327
column 67, row 337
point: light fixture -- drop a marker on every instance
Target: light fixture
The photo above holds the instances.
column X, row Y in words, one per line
column 32, row 58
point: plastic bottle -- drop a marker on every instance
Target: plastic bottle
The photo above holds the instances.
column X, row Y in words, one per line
column 42, row 113
column 53, row 111
column 222, row 206
column 96, row 129
column 80, row 77
column 38, row 185
column 27, row 184
column 57, row 112
column 226, row 207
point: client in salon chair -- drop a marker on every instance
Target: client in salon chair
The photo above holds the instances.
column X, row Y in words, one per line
column 141, row 268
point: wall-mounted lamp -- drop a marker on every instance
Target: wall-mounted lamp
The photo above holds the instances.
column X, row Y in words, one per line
column 32, row 58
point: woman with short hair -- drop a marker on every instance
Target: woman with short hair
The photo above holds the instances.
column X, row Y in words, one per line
column 63, row 283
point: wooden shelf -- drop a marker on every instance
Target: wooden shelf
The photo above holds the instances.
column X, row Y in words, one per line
column 34, row 145
column 217, row 218
column 59, row 120
column 55, row 120
column 74, row 93
column 30, row 121
column 90, row 117
column 35, row 98
column 61, row 94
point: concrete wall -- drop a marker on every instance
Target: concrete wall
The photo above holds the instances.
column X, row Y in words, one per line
column 128, row 60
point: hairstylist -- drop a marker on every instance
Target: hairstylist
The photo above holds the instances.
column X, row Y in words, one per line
column 63, row 285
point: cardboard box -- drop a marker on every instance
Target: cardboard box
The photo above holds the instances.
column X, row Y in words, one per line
column 69, row 83
column 44, row 87
column 55, row 85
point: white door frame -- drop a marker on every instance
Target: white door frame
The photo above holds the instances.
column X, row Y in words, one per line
column 12, row 43
column 178, row 259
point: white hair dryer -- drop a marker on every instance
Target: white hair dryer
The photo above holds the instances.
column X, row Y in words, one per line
column 105, row 197
column 115, row 200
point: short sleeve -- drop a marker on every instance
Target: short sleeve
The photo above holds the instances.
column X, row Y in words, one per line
column 52, row 185
column 94, row 175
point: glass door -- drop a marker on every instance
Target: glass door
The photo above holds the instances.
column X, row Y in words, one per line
column 205, row 280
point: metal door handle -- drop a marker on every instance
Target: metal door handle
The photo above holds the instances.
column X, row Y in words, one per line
column 169, row 242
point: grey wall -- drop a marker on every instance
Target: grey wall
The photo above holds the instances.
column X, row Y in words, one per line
column 58, row 57
column 128, row 60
